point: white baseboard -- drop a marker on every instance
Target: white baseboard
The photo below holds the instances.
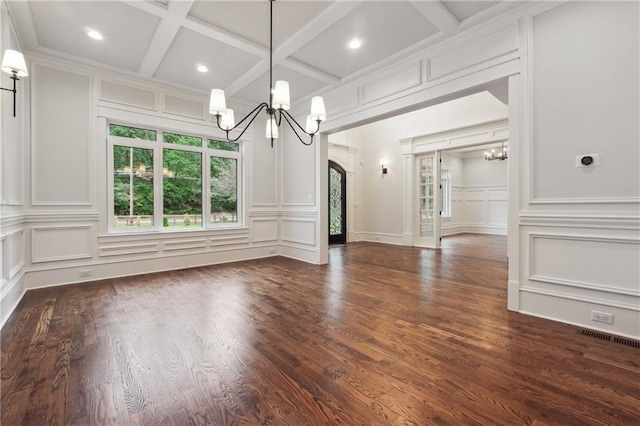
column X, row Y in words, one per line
column 373, row 237
column 61, row 275
column 12, row 293
column 309, row 255
column 576, row 312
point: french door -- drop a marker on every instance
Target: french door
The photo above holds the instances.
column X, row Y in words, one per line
column 337, row 204
column 427, row 214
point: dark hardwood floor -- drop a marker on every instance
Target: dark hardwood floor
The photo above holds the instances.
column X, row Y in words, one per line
column 383, row 335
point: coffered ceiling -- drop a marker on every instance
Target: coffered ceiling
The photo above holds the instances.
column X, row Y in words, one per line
column 166, row 40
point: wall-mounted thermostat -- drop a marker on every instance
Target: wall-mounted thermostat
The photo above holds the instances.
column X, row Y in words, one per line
column 587, row 160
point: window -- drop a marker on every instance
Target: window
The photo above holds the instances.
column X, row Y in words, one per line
column 445, row 192
column 161, row 180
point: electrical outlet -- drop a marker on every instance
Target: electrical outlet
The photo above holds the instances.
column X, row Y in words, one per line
column 84, row 273
column 602, row 317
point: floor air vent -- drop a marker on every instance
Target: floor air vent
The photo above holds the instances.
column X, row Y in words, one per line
column 628, row 342
column 596, row 334
column 607, row 337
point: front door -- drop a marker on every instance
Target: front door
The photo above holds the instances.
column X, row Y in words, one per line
column 337, row 204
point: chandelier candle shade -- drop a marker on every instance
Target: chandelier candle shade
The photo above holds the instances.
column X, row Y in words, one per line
column 277, row 107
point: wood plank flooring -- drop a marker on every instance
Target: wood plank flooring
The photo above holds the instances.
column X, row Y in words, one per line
column 382, row 335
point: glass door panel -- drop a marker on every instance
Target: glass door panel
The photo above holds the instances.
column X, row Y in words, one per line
column 428, row 217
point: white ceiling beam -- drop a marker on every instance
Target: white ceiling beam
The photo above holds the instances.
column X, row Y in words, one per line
column 313, row 29
column 149, row 7
column 163, row 37
column 225, row 37
column 309, row 71
column 439, row 15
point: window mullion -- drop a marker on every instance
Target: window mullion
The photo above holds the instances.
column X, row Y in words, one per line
column 158, row 183
column 206, row 190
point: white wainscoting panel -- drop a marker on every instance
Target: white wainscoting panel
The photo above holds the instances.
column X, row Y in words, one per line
column 497, row 212
column 342, row 100
column 3, row 262
column 264, row 173
column 264, row 229
column 492, row 46
column 190, row 244
column 300, row 231
column 567, row 121
column 129, row 95
column 402, row 78
column 228, row 241
column 61, row 105
column 15, row 252
column 184, row 107
column 475, row 212
column 585, row 261
column 107, row 250
column 56, row 243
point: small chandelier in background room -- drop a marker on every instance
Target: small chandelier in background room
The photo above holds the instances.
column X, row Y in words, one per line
column 496, row 155
column 277, row 107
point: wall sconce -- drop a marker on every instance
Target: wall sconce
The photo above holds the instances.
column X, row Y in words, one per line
column 384, row 168
column 13, row 64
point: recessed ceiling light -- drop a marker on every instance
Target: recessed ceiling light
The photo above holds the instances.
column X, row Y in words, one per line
column 202, row 68
column 94, row 35
column 355, row 43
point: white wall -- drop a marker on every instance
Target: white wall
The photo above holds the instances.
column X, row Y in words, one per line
column 579, row 239
column 13, row 158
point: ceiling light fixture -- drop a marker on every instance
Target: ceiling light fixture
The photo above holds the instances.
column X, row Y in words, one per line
column 355, row 43
column 277, row 107
column 493, row 155
column 202, row 68
column 94, row 35
column 13, row 64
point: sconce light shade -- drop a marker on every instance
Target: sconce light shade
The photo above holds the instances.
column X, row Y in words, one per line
column 13, row 62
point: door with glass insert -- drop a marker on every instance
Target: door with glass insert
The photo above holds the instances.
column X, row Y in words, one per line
column 427, row 218
column 337, row 204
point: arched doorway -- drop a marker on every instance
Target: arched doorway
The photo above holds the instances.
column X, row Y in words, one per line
column 337, row 204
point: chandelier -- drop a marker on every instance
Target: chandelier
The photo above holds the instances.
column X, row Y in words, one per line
column 276, row 109
column 493, row 155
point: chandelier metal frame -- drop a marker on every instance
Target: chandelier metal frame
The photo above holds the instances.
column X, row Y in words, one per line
column 217, row 107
